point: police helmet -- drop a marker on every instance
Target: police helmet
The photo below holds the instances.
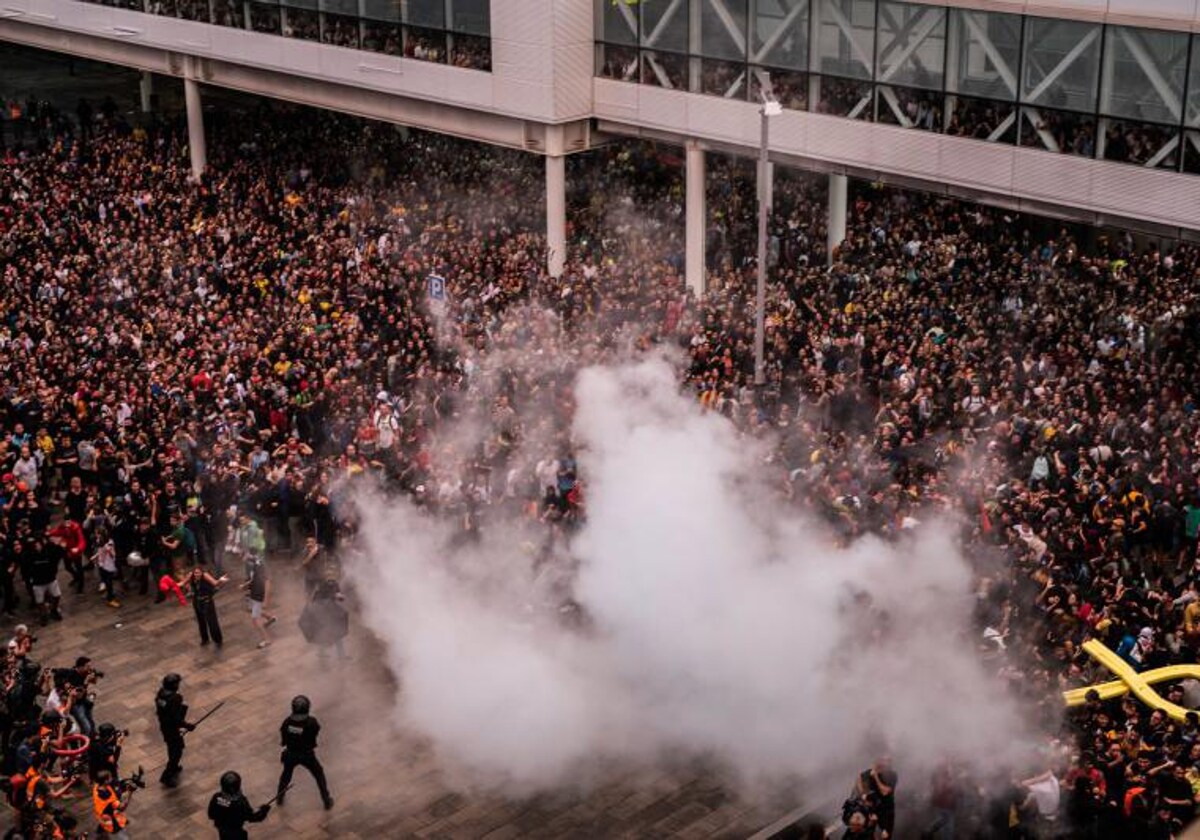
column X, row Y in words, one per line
column 300, row 705
column 171, row 681
column 231, row 783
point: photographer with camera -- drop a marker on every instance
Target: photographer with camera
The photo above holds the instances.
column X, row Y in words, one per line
column 80, row 682
column 104, row 751
column 110, row 798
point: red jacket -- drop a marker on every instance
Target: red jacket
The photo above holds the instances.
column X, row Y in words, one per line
column 71, row 534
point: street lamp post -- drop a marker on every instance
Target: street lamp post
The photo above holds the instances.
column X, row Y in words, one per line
column 770, row 108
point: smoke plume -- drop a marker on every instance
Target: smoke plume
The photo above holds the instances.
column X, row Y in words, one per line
column 721, row 624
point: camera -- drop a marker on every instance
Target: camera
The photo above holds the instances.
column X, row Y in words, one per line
column 137, row 780
column 98, row 674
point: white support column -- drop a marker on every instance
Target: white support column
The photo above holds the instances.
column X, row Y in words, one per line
column 696, row 221
column 556, row 214
column 837, row 213
column 195, row 120
column 146, row 89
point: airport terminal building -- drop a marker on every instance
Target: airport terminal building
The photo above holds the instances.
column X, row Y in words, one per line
column 1081, row 109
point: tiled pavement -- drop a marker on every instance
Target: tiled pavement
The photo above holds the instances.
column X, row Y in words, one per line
column 403, row 796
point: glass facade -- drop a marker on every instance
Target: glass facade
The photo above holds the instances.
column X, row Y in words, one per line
column 446, row 31
column 1109, row 92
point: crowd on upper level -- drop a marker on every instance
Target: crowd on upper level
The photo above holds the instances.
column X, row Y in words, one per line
column 179, row 357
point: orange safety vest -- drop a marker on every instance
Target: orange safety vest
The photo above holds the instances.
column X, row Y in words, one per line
column 106, row 804
column 32, row 777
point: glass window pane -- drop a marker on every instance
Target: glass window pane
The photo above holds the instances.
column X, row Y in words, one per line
column 264, row 18
column 340, row 31
column 425, row 44
column 845, row 98
column 616, row 23
column 1062, row 64
column 791, row 89
column 311, row 5
column 229, row 13
column 340, row 7
column 984, row 54
column 668, row 70
column 431, row 13
column 302, row 24
column 982, row 119
column 620, row 63
column 1191, row 153
column 665, row 25
column 723, row 29
column 386, row 10
column 723, row 78
column 779, row 34
column 1142, row 77
column 911, row 44
column 846, row 38
column 1146, row 145
column 381, row 38
column 909, row 108
column 1058, row 131
column 471, row 16
column 472, row 52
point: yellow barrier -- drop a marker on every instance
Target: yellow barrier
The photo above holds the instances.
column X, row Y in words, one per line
column 1130, row 680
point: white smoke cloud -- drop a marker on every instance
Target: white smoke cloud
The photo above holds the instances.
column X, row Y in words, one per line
column 723, row 625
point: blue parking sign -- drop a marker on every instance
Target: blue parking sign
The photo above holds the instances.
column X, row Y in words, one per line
column 437, row 287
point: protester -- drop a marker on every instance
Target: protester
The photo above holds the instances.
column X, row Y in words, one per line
column 266, row 346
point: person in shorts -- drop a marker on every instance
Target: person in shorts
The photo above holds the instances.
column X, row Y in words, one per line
column 258, row 587
column 41, row 571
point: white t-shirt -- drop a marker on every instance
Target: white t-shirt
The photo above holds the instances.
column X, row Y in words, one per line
column 1047, row 794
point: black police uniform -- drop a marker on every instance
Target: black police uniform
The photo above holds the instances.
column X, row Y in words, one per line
column 203, row 594
column 298, row 734
column 230, row 812
column 172, row 717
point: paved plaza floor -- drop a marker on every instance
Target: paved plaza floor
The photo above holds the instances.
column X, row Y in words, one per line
column 387, row 782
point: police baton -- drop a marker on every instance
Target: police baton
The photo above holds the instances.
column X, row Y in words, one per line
column 275, row 798
column 207, row 714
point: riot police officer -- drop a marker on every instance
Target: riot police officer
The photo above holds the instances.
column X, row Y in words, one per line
column 230, row 810
column 298, row 734
column 172, row 722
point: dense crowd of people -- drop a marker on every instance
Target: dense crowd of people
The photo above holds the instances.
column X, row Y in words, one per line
column 192, row 370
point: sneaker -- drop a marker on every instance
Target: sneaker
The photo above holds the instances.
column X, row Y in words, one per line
column 264, row 644
column 100, row 588
column 114, row 603
column 271, row 621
